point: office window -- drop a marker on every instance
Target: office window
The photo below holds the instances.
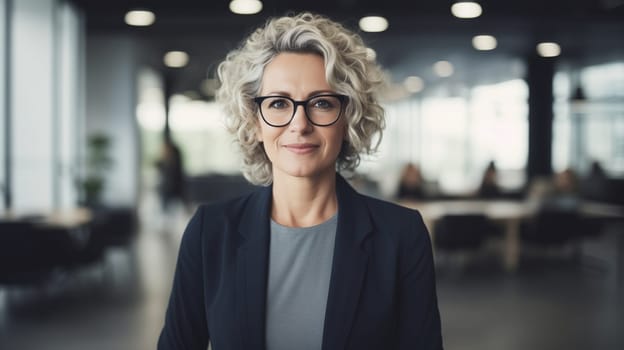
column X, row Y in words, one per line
column 196, row 126
column 446, row 143
column 150, row 113
column 199, row 128
column 453, row 138
column 591, row 129
column 499, row 129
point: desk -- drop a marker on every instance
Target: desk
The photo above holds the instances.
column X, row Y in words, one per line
column 601, row 210
column 33, row 246
column 508, row 213
column 65, row 218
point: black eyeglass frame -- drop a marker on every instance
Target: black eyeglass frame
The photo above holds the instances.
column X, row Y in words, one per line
column 342, row 98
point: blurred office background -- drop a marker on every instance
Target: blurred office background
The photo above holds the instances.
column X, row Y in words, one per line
column 103, row 110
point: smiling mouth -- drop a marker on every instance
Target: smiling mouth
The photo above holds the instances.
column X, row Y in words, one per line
column 301, row 148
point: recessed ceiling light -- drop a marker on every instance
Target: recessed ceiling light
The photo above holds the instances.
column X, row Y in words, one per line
column 466, row 9
column 373, row 24
column 548, row 49
column 414, row 84
column 484, row 42
column 176, row 59
column 443, row 69
column 139, row 18
column 245, row 7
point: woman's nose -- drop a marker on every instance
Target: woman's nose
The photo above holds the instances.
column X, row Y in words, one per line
column 300, row 120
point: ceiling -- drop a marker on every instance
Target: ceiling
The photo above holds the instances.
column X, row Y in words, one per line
column 421, row 32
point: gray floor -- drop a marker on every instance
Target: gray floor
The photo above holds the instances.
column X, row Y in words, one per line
column 552, row 302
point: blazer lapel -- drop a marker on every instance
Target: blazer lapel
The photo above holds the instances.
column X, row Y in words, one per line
column 349, row 266
column 252, row 269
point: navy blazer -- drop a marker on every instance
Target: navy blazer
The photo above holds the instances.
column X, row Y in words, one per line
column 382, row 289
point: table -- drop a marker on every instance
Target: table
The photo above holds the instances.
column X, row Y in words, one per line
column 33, row 245
column 508, row 213
column 60, row 218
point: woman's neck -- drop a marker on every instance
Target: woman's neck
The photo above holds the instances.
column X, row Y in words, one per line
column 303, row 201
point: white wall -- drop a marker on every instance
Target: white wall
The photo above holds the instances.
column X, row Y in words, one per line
column 50, row 123
column 112, row 70
column 45, row 53
column 32, row 105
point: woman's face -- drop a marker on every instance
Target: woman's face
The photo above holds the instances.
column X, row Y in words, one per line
column 299, row 149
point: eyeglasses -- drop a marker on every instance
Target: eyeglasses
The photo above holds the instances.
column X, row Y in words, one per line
column 321, row 110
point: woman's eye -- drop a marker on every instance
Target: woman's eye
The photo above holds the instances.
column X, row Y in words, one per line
column 322, row 104
column 278, row 104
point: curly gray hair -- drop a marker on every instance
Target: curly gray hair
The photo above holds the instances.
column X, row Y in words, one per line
column 349, row 70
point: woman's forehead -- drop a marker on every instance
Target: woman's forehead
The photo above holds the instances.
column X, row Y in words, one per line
column 295, row 73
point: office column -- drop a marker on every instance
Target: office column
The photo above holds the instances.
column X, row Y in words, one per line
column 5, row 199
column 540, row 75
column 69, row 94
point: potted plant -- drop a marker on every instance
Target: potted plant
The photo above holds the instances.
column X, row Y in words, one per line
column 98, row 161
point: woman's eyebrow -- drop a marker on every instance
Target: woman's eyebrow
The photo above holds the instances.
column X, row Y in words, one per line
column 320, row 92
column 287, row 94
column 277, row 93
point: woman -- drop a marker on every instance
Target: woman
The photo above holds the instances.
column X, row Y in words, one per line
column 305, row 262
column 488, row 189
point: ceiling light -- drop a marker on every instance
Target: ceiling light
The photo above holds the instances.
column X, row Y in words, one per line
column 548, row 49
column 484, row 42
column 466, row 9
column 140, row 18
column 176, row 59
column 373, row 24
column 413, row 84
column 443, row 69
column 245, row 7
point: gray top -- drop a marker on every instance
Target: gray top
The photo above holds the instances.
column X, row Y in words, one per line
column 300, row 265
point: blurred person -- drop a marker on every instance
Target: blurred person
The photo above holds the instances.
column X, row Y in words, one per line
column 556, row 219
column 488, row 189
column 305, row 262
column 596, row 171
column 565, row 195
column 171, row 175
column 595, row 184
column 566, row 181
column 411, row 183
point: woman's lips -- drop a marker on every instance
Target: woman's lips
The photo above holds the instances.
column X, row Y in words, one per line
column 301, row 148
